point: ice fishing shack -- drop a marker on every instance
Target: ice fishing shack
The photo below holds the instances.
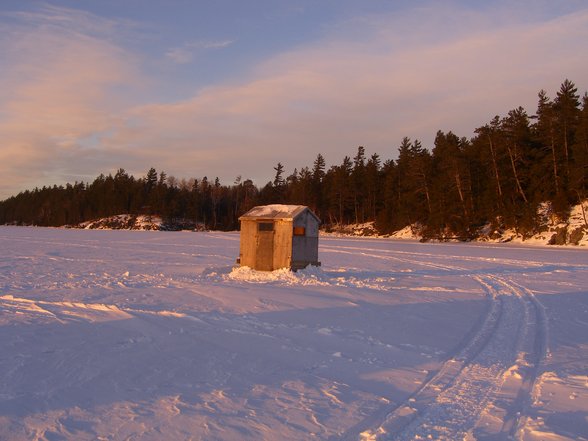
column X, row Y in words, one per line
column 279, row 236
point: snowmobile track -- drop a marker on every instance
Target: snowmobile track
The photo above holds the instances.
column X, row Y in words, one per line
column 512, row 339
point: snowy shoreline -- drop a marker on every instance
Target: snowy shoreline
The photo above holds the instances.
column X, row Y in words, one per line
column 554, row 232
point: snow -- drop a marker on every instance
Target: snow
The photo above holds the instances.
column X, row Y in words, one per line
column 553, row 231
column 408, row 232
column 139, row 222
column 124, row 221
column 274, row 211
column 156, row 335
column 573, row 231
column 363, row 229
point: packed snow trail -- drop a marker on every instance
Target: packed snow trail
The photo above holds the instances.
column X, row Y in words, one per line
column 449, row 404
column 153, row 335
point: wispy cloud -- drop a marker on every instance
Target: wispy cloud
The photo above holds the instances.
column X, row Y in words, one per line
column 369, row 89
column 58, row 89
column 187, row 52
column 75, row 21
column 210, row 44
column 180, row 55
column 369, row 82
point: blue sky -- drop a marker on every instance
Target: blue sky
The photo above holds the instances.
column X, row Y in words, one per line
column 230, row 88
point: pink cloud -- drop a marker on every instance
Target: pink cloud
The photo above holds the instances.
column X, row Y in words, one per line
column 60, row 85
column 334, row 95
column 369, row 82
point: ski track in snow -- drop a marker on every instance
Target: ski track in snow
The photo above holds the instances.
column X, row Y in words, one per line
column 483, row 389
column 450, row 404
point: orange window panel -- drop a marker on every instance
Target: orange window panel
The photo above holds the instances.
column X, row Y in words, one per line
column 299, row 231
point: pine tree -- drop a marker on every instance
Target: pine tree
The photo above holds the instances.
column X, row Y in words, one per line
column 545, row 133
column 278, row 179
column 387, row 219
column 517, row 133
column 414, row 182
column 501, row 174
column 358, row 176
column 340, row 193
column 373, row 185
column 487, row 136
column 318, row 175
column 567, row 111
column 453, row 199
column 150, row 180
column 579, row 168
column 318, row 168
column 279, row 184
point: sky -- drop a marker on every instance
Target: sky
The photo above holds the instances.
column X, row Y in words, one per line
column 230, row 88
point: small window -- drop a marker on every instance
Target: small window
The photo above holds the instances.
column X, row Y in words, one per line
column 265, row 226
column 299, row 231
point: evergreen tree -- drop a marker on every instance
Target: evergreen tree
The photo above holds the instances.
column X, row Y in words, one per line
column 488, row 153
column 414, row 182
column 279, row 184
column 387, row 221
column 579, row 167
column 358, row 178
column 340, row 192
column 545, row 133
column 318, row 176
column 452, row 200
column 516, row 135
column 567, row 111
column 498, row 176
column 150, row 180
column 278, row 179
column 373, row 183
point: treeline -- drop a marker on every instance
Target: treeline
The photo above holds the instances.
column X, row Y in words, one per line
column 500, row 176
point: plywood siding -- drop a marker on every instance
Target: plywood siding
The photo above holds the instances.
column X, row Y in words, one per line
column 276, row 247
column 282, row 244
column 248, row 247
column 305, row 248
column 308, row 221
column 264, row 258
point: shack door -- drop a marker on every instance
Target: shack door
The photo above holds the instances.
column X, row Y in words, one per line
column 264, row 253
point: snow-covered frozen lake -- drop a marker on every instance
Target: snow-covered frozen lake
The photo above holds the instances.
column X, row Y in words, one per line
column 116, row 335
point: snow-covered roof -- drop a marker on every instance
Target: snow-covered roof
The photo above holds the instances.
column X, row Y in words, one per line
column 276, row 211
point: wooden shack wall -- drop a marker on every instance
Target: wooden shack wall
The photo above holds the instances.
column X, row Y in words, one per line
column 289, row 251
column 282, row 243
column 248, row 243
column 305, row 248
